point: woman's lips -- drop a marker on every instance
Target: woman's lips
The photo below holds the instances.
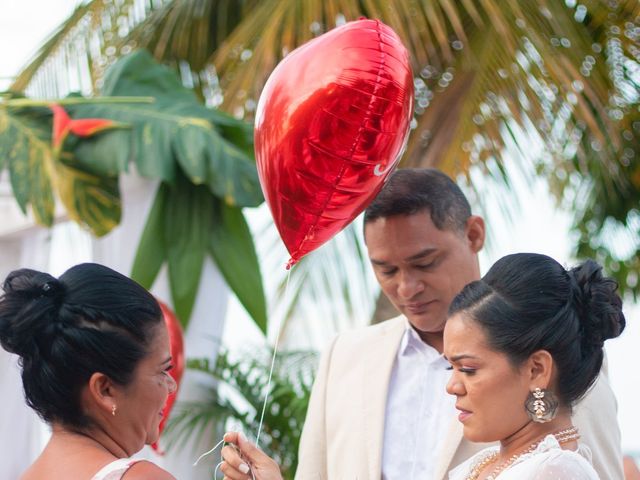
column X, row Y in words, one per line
column 464, row 414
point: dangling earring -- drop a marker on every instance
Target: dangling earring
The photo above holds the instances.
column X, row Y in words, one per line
column 541, row 405
column 113, row 409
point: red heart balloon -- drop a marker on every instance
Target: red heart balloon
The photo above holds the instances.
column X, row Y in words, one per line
column 331, row 125
column 176, row 348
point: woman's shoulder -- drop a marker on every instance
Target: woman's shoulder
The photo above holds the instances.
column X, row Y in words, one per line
column 568, row 464
column 145, row 470
column 132, row 470
column 549, row 460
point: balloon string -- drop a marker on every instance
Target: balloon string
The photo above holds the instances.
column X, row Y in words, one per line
column 207, row 453
column 273, row 358
column 266, row 397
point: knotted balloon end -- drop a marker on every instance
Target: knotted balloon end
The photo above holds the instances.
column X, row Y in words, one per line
column 292, row 261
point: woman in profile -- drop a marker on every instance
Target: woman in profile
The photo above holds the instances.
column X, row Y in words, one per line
column 94, row 352
column 525, row 343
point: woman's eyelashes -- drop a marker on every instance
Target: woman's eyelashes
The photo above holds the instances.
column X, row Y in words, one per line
column 467, row 370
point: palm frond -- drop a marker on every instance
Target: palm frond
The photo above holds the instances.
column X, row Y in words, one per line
column 76, row 56
column 329, row 290
column 608, row 225
column 536, row 52
column 238, row 400
column 52, row 46
column 486, row 71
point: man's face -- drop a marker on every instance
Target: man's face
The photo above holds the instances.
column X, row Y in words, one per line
column 420, row 267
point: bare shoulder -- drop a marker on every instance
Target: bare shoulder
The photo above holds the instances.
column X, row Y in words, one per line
column 145, row 470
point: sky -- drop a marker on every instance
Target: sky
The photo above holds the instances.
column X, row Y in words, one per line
column 536, row 226
column 24, row 25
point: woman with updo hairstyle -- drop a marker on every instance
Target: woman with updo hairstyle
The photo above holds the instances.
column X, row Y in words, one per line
column 94, row 353
column 525, row 343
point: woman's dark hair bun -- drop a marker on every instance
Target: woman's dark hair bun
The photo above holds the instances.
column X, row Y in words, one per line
column 91, row 319
column 599, row 304
column 528, row 302
column 29, row 307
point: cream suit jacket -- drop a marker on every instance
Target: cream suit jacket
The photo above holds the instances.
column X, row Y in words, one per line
column 343, row 432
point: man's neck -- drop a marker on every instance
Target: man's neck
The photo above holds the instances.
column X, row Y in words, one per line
column 434, row 340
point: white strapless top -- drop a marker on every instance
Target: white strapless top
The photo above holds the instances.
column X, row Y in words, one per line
column 548, row 461
column 114, row 470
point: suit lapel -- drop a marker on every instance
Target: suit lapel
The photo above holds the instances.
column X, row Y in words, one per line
column 449, row 447
column 377, row 364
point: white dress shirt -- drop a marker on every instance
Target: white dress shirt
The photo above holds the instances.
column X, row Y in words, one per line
column 418, row 410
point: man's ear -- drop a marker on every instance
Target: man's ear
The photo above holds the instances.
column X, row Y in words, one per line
column 475, row 232
column 103, row 392
column 539, row 369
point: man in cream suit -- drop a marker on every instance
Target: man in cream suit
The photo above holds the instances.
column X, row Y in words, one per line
column 379, row 408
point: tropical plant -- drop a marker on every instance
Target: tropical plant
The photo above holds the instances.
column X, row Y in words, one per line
column 202, row 158
column 487, row 73
column 609, row 223
column 237, row 399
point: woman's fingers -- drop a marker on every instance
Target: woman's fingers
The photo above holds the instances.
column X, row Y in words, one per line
column 231, row 473
column 263, row 467
column 233, row 465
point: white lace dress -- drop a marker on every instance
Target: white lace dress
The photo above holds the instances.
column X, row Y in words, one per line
column 114, row 470
column 547, row 462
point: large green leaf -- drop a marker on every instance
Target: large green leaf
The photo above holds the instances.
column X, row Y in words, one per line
column 206, row 224
column 232, row 247
column 106, row 155
column 139, row 74
column 187, row 227
column 192, row 210
column 90, row 200
column 37, row 174
column 25, row 149
column 152, row 250
column 238, row 132
column 177, row 131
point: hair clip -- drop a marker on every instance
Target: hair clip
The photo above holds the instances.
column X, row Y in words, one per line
column 48, row 290
column 52, row 289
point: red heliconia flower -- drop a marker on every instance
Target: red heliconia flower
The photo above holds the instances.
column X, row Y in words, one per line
column 61, row 122
column 82, row 127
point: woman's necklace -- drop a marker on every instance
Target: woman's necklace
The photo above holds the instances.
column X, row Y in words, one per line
column 563, row 436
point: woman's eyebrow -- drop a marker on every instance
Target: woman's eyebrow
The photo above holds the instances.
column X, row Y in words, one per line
column 463, row 356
